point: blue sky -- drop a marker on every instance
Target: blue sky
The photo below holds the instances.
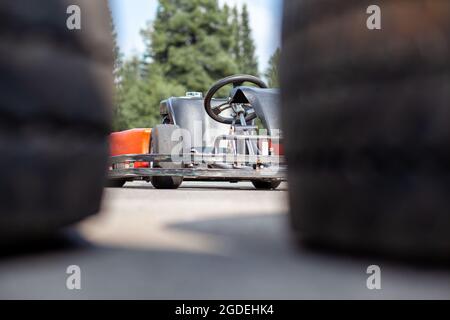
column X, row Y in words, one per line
column 132, row 15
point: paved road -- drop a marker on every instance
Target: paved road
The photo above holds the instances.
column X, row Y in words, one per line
column 206, row 240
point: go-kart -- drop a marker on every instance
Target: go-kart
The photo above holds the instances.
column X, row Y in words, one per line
column 206, row 139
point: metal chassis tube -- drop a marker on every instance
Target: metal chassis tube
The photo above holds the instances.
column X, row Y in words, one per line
column 264, row 167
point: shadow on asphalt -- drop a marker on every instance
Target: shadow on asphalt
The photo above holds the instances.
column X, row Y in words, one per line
column 260, row 261
column 64, row 241
column 244, row 232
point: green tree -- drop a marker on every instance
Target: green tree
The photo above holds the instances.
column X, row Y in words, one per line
column 226, row 31
column 129, row 94
column 271, row 73
column 117, row 67
column 190, row 45
column 190, row 42
column 249, row 61
column 236, row 47
column 139, row 97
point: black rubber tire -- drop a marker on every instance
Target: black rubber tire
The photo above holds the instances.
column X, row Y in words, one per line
column 115, row 183
column 367, row 125
column 266, row 185
column 166, row 183
column 55, row 88
column 162, row 144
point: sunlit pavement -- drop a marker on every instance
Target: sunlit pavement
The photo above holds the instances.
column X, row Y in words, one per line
column 207, row 241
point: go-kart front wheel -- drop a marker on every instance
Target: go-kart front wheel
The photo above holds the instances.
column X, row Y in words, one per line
column 162, row 143
column 167, row 182
column 266, row 184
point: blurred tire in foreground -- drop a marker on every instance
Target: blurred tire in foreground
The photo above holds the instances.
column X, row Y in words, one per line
column 367, row 125
column 55, row 99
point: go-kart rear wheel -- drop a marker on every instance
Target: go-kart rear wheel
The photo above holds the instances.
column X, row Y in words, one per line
column 266, row 184
column 162, row 143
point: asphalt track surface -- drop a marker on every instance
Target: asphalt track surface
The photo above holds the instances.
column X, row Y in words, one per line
column 204, row 241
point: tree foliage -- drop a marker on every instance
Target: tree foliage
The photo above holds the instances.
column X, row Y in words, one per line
column 271, row 73
column 190, row 45
column 249, row 62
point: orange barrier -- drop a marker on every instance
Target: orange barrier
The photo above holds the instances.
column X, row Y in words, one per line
column 277, row 148
column 135, row 141
column 268, row 145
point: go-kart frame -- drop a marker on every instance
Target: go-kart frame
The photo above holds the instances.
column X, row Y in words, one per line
column 247, row 167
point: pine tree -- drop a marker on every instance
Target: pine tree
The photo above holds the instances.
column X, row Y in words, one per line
column 128, row 94
column 190, row 45
column 226, row 31
column 117, row 67
column 271, row 73
column 236, row 36
column 118, row 57
column 116, row 50
column 190, row 42
column 140, row 96
column 249, row 61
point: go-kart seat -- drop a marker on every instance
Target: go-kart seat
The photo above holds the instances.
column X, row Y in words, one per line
column 189, row 114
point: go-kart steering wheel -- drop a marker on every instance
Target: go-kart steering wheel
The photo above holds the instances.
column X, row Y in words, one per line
column 215, row 112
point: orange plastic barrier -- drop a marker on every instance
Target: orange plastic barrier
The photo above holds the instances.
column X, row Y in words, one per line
column 278, row 148
column 135, row 141
column 275, row 148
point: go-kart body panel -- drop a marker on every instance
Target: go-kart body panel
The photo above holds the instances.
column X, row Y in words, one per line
column 135, row 141
column 189, row 114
